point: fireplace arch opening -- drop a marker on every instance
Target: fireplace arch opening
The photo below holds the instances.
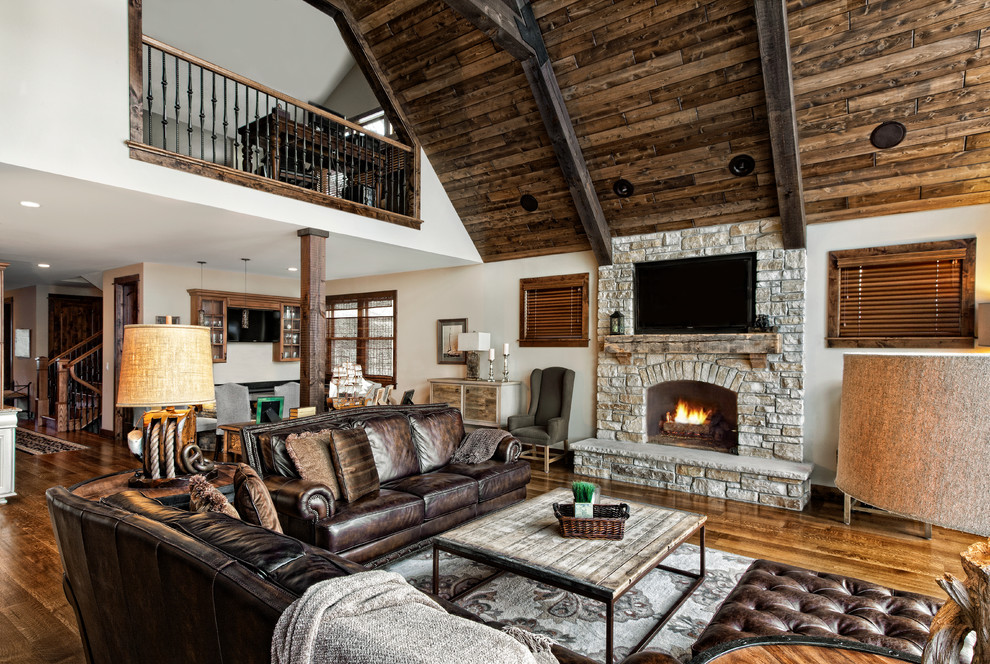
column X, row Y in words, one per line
column 691, row 413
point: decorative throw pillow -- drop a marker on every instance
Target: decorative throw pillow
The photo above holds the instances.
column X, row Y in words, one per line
column 310, row 451
column 354, row 463
column 252, row 500
column 204, row 497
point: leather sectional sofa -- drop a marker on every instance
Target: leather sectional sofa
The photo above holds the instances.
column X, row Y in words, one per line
column 421, row 493
column 157, row 584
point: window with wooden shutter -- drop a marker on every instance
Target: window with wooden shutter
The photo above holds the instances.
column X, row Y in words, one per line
column 904, row 296
column 361, row 329
column 553, row 311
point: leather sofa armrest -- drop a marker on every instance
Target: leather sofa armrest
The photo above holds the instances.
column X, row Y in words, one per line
column 508, row 450
column 520, row 421
column 300, row 499
column 556, row 429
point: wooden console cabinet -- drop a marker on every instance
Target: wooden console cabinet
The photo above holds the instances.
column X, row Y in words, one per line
column 8, row 429
column 481, row 403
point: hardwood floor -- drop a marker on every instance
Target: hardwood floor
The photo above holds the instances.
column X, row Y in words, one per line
column 37, row 625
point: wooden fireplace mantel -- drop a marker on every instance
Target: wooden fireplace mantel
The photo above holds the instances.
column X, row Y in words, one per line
column 754, row 344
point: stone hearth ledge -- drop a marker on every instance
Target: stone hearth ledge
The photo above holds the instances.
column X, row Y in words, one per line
column 745, row 478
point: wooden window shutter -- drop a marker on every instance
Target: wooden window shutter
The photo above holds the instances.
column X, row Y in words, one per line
column 903, row 296
column 553, row 311
column 361, row 329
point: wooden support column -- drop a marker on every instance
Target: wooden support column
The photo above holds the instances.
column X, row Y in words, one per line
column 775, row 57
column 312, row 296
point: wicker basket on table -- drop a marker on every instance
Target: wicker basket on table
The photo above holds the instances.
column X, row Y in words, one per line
column 609, row 521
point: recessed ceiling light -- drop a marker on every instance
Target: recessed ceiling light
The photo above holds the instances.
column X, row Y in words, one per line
column 43, row 265
column 293, row 269
column 623, row 188
column 30, row 204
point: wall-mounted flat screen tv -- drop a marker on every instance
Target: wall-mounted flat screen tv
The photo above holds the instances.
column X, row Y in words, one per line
column 695, row 295
column 263, row 325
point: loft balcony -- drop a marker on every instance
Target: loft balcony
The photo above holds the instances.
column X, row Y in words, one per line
column 192, row 115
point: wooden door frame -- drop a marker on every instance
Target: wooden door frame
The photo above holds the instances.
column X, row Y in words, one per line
column 118, row 339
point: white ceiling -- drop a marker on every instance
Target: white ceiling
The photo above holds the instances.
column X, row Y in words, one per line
column 285, row 44
column 83, row 228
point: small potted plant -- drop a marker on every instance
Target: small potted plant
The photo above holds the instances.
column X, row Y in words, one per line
column 584, row 499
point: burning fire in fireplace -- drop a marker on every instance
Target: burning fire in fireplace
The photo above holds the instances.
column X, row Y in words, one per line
column 688, row 414
column 705, row 427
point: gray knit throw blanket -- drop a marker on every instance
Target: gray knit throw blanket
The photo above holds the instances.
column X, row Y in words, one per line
column 377, row 618
column 479, row 445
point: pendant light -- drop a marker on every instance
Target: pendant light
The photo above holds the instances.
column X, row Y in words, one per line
column 244, row 311
column 202, row 311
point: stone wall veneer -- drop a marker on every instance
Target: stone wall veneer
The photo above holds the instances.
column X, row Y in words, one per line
column 770, row 399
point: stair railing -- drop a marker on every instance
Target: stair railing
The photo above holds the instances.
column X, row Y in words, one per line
column 73, row 380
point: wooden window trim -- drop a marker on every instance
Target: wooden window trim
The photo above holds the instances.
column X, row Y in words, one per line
column 362, row 331
column 526, row 286
column 898, row 255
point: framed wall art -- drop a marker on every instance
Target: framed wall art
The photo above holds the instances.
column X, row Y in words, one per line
column 447, row 331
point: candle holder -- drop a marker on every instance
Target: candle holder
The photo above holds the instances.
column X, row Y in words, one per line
column 491, row 370
column 505, row 368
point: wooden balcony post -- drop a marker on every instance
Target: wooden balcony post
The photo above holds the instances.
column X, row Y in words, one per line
column 62, row 396
column 312, row 295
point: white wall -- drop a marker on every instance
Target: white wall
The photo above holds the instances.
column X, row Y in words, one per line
column 488, row 296
column 163, row 292
column 353, row 95
column 79, row 49
column 823, row 383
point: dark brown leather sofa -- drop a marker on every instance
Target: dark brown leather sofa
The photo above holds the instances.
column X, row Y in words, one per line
column 421, row 493
column 155, row 584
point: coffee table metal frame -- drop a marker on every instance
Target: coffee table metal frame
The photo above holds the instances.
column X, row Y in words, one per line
column 573, row 584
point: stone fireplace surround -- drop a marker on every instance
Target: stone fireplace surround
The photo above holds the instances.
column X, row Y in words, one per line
column 764, row 370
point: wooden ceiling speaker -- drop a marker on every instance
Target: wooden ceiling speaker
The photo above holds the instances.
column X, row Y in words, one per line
column 888, row 134
column 529, row 202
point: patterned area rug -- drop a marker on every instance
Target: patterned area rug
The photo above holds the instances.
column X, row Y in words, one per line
column 33, row 442
column 579, row 623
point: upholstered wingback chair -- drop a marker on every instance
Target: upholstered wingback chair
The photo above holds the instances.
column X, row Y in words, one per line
column 290, row 394
column 545, row 425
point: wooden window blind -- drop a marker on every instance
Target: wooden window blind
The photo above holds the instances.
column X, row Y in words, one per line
column 361, row 329
column 903, row 296
column 553, row 311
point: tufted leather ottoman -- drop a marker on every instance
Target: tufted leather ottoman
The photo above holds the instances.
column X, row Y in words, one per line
column 774, row 599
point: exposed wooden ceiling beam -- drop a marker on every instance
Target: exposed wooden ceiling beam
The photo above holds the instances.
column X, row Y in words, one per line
column 519, row 34
column 775, row 56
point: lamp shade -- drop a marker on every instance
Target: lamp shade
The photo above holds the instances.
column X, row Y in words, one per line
column 474, row 341
column 165, row 365
column 914, row 436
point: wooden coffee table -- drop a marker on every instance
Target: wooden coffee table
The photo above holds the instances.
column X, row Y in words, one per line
column 525, row 539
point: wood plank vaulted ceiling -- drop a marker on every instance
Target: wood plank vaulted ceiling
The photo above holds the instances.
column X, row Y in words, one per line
column 663, row 93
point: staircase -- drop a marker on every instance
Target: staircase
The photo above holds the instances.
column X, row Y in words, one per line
column 74, row 398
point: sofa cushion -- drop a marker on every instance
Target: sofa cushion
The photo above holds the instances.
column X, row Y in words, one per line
column 532, row 435
column 391, row 442
column 369, row 518
column 252, row 500
column 310, row 451
column 441, row 492
column 354, row 463
column 494, row 477
column 436, row 436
